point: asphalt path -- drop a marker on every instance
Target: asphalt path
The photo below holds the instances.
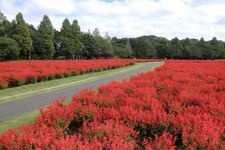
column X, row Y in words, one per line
column 28, row 104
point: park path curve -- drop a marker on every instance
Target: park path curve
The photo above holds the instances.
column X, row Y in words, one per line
column 28, row 104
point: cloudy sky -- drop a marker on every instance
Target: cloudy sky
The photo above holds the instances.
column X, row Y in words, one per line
column 129, row 18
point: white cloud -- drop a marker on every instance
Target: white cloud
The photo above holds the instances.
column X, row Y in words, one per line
column 169, row 18
column 57, row 6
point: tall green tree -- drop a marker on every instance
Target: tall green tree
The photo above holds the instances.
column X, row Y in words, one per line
column 70, row 37
column 35, row 41
column 78, row 45
column 66, row 40
column 127, row 50
column 108, row 49
column 22, row 36
column 66, row 30
column 9, row 48
column 104, row 45
column 46, row 49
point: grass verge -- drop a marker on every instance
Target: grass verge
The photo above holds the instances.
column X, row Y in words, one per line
column 26, row 118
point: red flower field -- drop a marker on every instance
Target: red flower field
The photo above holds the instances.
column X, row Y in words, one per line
column 17, row 73
column 180, row 105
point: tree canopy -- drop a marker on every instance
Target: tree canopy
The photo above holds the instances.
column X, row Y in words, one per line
column 19, row 40
column 45, row 48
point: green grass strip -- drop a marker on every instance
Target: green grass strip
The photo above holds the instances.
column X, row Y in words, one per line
column 26, row 118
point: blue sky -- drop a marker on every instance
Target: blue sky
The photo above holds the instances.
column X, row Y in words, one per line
column 129, row 18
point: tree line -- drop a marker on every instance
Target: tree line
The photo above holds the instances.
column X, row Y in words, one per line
column 20, row 40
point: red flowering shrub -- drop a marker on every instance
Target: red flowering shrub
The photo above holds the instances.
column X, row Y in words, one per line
column 163, row 142
column 17, row 73
column 178, row 106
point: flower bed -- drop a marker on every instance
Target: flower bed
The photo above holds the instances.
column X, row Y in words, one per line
column 16, row 73
column 178, row 106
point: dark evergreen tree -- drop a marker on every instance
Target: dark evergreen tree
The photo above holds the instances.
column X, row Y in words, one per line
column 46, row 49
column 190, row 50
column 108, row 48
column 145, row 48
column 66, row 45
column 122, row 49
column 104, row 45
column 216, row 48
column 9, row 49
column 35, row 41
column 47, row 43
column 204, row 48
column 176, row 49
column 163, row 49
column 127, row 49
column 22, row 36
column 70, row 44
column 90, row 46
column 76, row 32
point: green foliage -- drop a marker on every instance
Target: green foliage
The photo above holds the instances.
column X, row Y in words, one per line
column 104, row 47
column 90, row 46
column 145, row 48
column 67, row 47
column 78, row 45
column 158, row 47
column 176, row 48
column 149, row 131
column 78, row 121
column 163, row 49
column 22, row 35
column 122, row 48
column 128, row 49
column 5, row 26
column 69, row 40
column 189, row 49
column 2, row 17
column 70, row 43
column 66, row 29
column 45, row 40
column 66, row 41
column 179, row 141
column 35, row 41
column 218, row 49
column 9, row 49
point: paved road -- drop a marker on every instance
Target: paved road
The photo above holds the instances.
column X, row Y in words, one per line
column 19, row 107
